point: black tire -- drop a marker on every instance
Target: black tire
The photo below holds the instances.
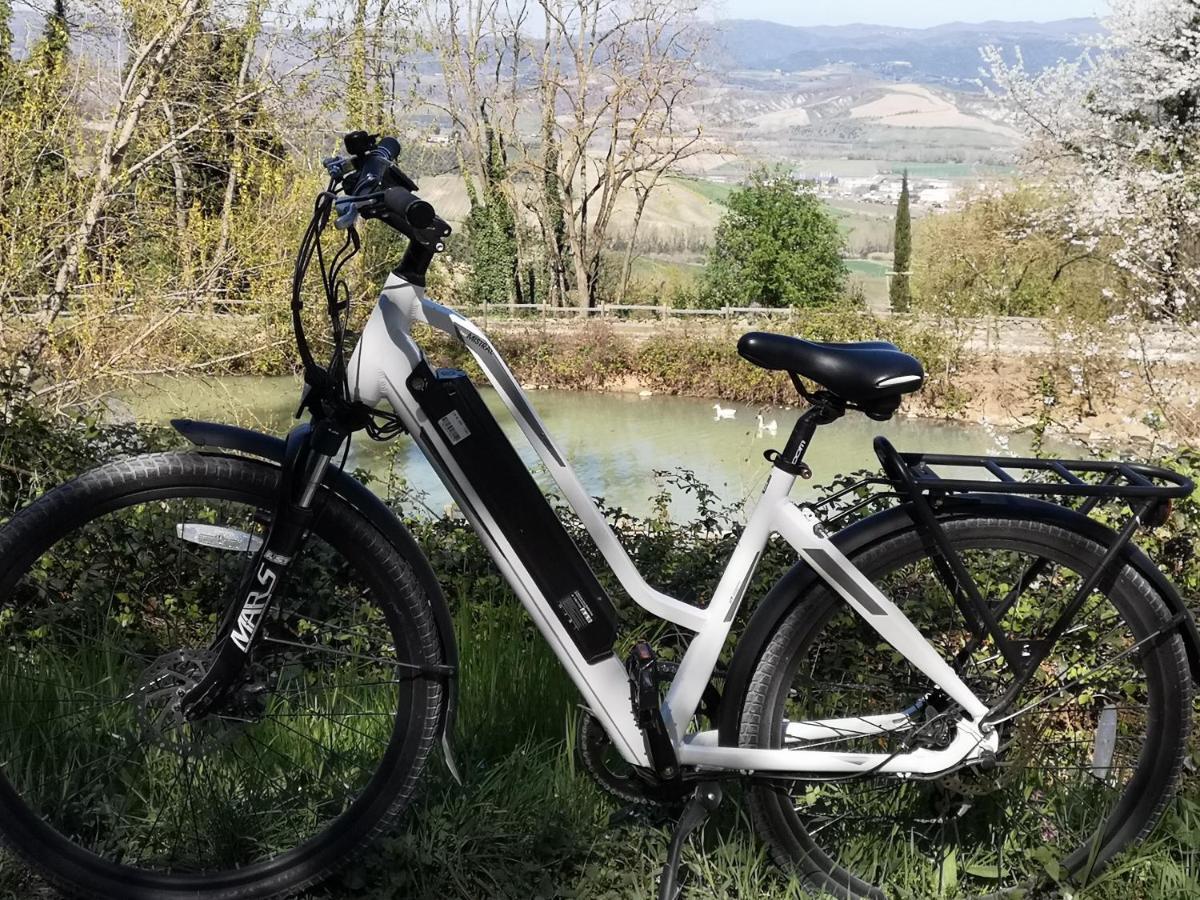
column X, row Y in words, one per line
column 970, row 834
column 331, row 730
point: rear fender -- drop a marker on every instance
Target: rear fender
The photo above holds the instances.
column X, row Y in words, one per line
column 801, row 579
column 272, row 449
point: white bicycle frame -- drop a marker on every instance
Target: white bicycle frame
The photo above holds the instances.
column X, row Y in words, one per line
column 379, row 369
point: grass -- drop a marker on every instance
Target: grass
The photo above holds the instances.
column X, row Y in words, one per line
column 669, row 269
column 529, row 823
column 870, row 267
column 716, row 191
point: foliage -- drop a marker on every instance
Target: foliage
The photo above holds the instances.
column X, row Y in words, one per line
column 1117, row 133
column 39, row 135
column 775, row 246
column 999, row 256
column 39, row 450
column 528, row 822
column 902, row 252
column 493, row 256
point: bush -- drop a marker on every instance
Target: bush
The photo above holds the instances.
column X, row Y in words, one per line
column 776, row 246
column 993, row 257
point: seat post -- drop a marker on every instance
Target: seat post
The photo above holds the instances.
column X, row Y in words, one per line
column 824, row 409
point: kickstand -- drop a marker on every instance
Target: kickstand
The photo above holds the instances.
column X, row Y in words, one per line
column 706, row 799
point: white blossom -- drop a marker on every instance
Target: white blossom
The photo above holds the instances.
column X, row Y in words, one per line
column 1115, row 135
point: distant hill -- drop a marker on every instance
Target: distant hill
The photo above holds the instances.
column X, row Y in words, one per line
column 944, row 54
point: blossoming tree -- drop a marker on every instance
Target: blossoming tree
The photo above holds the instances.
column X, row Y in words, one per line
column 1115, row 135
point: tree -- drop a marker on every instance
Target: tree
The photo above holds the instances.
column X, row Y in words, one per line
column 607, row 78
column 1115, row 134
column 995, row 257
column 491, row 231
column 902, row 254
column 482, row 50
column 776, row 246
column 6, row 37
column 128, row 154
column 39, row 130
column 614, row 73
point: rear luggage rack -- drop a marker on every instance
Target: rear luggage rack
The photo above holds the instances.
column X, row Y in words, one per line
column 912, row 476
column 1109, row 480
column 1148, row 490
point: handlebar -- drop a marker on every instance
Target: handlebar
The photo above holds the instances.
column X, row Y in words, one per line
column 376, row 188
column 408, row 206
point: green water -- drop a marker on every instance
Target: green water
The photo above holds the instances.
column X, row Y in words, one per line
column 614, row 441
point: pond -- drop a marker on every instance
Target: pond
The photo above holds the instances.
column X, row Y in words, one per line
column 614, row 441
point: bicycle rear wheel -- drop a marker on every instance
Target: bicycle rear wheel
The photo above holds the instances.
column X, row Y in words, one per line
column 110, row 590
column 1087, row 764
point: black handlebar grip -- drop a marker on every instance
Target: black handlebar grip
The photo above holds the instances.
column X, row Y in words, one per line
column 389, row 147
column 409, row 207
column 375, row 164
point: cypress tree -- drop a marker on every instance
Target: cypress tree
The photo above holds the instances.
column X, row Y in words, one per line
column 900, row 297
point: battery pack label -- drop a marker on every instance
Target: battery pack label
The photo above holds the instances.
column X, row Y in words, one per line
column 576, row 610
column 453, row 427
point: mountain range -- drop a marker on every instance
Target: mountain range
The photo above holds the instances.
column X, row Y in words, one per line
column 944, row 54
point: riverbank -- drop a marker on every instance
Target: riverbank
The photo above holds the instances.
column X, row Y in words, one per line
column 1098, row 384
column 1100, row 387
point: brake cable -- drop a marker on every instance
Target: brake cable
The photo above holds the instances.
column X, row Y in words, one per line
column 337, row 295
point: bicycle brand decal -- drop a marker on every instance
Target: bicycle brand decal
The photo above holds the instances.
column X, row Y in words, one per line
column 254, row 607
column 453, row 427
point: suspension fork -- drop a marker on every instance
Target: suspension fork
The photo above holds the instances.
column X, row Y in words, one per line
column 309, row 449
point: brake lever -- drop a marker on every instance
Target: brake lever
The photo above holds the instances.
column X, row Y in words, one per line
column 336, row 166
column 348, row 207
column 433, row 237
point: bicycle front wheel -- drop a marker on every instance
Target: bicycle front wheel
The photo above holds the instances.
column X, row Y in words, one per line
column 111, row 588
column 1087, row 762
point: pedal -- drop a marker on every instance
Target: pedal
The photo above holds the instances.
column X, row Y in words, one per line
column 703, row 803
column 646, row 697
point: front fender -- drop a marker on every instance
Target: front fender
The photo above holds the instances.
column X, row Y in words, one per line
column 272, row 449
column 795, row 585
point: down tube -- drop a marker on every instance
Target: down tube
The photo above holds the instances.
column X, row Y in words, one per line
column 604, row 684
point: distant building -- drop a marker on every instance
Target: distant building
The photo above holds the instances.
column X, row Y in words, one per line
column 936, row 196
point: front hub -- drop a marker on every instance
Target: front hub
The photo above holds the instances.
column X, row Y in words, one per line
column 161, row 713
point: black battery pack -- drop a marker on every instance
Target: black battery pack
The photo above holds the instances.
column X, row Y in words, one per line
column 512, row 499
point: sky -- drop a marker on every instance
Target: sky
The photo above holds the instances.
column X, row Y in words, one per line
column 910, row 13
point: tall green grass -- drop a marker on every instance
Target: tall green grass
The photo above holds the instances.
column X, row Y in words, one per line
column 529, row 823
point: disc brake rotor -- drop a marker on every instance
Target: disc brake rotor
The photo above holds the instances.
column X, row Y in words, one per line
column 159, row 699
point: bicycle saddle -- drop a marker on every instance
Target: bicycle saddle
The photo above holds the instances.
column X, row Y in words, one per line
column 871, row 375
